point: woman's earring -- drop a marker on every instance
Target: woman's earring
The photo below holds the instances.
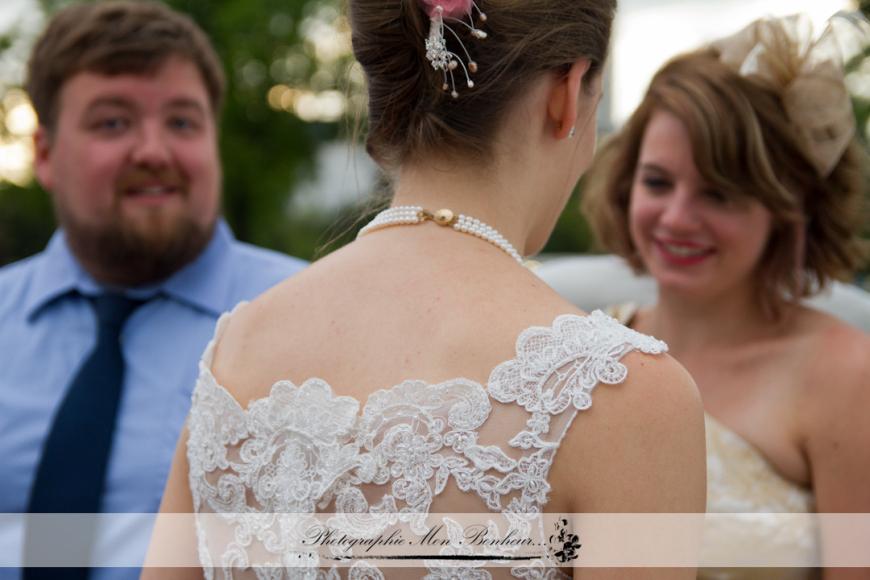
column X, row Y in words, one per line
column 572, row 132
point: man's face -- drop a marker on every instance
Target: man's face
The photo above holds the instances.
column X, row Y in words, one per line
column 133, row 168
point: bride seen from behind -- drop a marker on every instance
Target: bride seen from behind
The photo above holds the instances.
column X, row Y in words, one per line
column 389, row 323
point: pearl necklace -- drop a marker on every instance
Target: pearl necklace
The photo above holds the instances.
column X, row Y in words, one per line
column 412, row 214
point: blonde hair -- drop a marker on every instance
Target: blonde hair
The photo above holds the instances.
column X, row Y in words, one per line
column 743, row 144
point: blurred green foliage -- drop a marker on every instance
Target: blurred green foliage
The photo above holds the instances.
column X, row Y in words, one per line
column 861, row 104
column 26, row 221
column 264, row 151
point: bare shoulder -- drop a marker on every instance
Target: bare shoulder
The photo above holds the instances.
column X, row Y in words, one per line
column 838, row 357
column 835, row 385
column 836, row 434
column 430, row 319
column 641, row 443
column 658, row 396
column 257, row 332
column 355, row 306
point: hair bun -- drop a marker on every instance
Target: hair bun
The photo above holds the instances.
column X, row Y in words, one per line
column 410, row 49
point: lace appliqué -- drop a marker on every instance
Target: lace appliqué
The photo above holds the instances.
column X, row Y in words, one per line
column 303, row 450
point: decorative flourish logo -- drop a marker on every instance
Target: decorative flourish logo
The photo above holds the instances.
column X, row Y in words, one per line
column 563, row 545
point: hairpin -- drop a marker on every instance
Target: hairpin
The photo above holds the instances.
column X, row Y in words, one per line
column 437, row 53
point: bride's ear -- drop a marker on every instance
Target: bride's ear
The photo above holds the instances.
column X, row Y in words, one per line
column 563, row 102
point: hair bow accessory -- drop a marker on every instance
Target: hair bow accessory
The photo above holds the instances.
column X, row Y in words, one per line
column 808, row 71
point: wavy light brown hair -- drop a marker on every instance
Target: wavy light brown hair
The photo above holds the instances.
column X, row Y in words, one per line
column 113, row 38
column 744, row 145
column 412, row 118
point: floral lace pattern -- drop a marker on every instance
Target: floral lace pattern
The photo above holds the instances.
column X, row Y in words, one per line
column 303, row 450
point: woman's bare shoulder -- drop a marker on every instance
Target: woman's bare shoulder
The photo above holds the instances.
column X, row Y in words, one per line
column 257, row 333
column 836, row 350
column 834, row 378
column 659, row 390
column 641, row 444
column 835, row 397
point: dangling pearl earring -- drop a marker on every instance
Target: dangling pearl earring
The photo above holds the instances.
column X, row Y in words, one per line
column 572, row 132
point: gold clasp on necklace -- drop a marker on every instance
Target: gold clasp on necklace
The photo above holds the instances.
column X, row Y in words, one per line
column 442, row 217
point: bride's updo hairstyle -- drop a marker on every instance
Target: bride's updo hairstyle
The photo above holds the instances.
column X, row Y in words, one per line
column 411, row 117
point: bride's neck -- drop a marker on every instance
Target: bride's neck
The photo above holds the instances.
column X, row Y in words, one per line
column 499, row 198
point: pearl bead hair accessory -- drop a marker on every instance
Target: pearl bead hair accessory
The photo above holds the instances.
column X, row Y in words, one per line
column 412, row 215
column 439, row 56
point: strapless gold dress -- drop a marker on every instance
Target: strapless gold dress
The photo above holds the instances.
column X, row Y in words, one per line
column 740, row 480
column 775, row 522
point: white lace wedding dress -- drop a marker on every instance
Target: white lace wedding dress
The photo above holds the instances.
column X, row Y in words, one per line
column 415, row 450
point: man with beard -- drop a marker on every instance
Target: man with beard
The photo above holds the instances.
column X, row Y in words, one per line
column 101, row 332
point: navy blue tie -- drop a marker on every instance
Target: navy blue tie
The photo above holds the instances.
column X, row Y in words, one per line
column 71, row 474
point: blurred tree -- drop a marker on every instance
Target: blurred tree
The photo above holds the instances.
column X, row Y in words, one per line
column 26, row 219
column 5, row 42
column 860, row 64
column 264, row 151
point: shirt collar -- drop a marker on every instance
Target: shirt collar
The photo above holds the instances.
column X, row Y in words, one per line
column 203, row 284
column 57, row 273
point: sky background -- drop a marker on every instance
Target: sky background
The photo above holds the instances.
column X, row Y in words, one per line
column 648, row 32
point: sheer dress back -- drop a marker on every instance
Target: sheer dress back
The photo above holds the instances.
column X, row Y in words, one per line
column 405, row 452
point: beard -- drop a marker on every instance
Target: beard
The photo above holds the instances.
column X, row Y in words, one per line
column 119, row 252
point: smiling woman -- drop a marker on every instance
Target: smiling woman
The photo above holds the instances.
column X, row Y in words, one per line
column 731, row 122
column 669, row 201
column 740, row 205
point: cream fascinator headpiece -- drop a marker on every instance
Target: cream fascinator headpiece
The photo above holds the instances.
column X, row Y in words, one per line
column 809, row 73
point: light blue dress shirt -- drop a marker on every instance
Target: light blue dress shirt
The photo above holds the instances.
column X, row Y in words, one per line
column 47, row 329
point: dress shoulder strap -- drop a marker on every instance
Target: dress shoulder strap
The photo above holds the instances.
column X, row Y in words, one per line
column 552, row 377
